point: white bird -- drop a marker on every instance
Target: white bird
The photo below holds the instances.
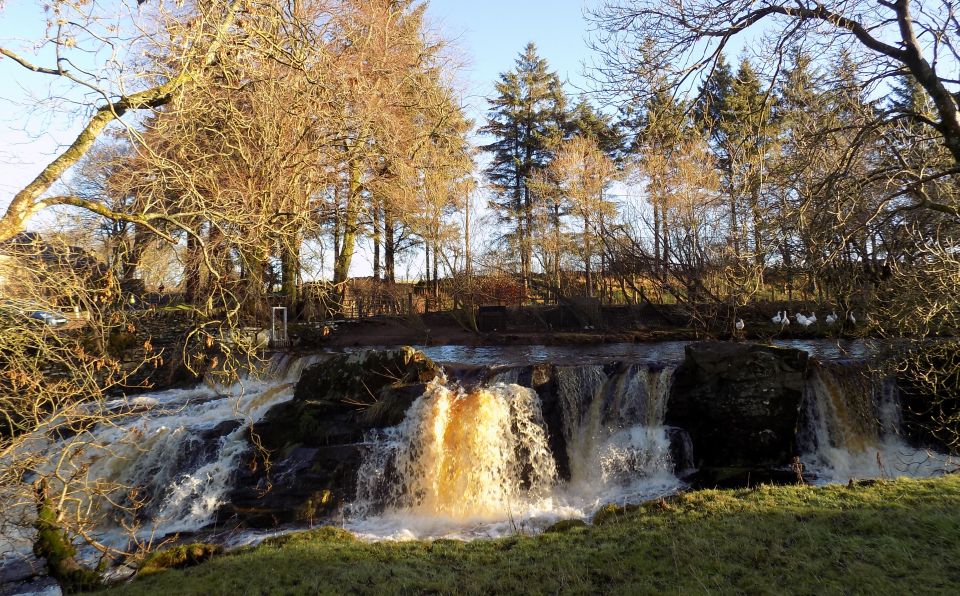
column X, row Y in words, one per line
column 801, row 320
column 739, row 325
column 786, row 319
column 812, row 318
column 831, row 318
column 806, row 321
column 777, row 319
column 851, row 318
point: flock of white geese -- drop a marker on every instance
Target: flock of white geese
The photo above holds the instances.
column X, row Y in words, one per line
column 783, row 319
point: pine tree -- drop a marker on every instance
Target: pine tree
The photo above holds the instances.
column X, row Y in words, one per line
column 526, row 120
column 747, row 138
column 798, row 111
column 586, row 121
column 711, row 111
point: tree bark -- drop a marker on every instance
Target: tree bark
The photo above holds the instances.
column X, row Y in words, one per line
column 341, row 269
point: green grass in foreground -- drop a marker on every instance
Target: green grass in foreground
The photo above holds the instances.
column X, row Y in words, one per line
column 887, row 538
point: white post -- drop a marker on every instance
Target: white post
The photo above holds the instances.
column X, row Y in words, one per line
column 277, row 337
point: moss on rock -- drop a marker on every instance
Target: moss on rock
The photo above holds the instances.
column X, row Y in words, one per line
column 54, row 545
column 178, row 557
column 566, row 525
column 612, row 511
column 335, row 401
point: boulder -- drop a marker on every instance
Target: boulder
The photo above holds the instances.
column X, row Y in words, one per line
column 739, row 402
column 311, row 447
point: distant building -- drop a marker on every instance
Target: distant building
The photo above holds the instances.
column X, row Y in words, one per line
column 27, row 259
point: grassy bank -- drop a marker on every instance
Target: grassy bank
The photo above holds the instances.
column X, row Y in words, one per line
column 888, row 537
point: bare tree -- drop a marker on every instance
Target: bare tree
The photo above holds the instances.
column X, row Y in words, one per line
column 680, row 41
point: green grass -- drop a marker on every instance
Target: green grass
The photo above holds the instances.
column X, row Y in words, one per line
column 884, row 538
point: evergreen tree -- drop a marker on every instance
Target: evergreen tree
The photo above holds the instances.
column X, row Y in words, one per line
column 748, row 131
column 526, row 120
column 585, row 121
column 798, row 112
column 711, row 111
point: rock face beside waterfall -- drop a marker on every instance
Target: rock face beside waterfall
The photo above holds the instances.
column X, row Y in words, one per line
column 312, row 443
column 739, row 402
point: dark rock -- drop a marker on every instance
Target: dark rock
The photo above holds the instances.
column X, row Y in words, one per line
column 739, row 402
column 305, row 485
column 339, row 399
column 542, row 378
column 732, row 477
column 928, row 379
column 311, row 446
column 203, row 447
column 37, row 586
column 20, row 570
column 681, row 451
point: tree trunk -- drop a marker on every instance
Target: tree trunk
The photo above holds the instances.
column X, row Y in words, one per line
column 191, row 270
column 759, row 257
column 656, row 237
column 665, row 260
column 290, row 271
column 389, row 246
column 341, row 269
column 375, row 209
column 436, row 273
column 586, row 254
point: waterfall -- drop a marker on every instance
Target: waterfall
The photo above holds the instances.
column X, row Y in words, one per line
column 850, row 427
column 174, row 456
column 617, row 444
column 464, row 456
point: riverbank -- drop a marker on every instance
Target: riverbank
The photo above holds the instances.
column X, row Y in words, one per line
column 875, row 537
column 557, row 326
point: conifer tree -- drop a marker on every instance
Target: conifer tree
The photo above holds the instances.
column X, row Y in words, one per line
column 748, row 136
column 525, row 120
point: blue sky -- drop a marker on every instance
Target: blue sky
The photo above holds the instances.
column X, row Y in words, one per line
column 492, row 33
column 488, row 35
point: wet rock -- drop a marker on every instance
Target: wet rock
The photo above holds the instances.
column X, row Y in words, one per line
column 17, row 571
column 542, row 378
column 202, row 447
column 929, row 382
column 732, row 477
column 37, row 586
column 303, row 486
column 310, row 447
column 681, row 451
column 739, row 402
column 335, row 401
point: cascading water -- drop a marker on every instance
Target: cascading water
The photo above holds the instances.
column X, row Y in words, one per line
column 851, row 428
column 617, row 445
column 172, row 458
column 473, row 462
column 473, row 456
column 478, row 462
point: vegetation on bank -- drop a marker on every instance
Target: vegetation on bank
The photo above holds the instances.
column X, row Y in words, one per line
column 874, row 537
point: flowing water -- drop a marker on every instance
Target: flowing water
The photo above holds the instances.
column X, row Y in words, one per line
column 852, row 428
column 483, row 459
column 478, row 462
column 173, row 457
